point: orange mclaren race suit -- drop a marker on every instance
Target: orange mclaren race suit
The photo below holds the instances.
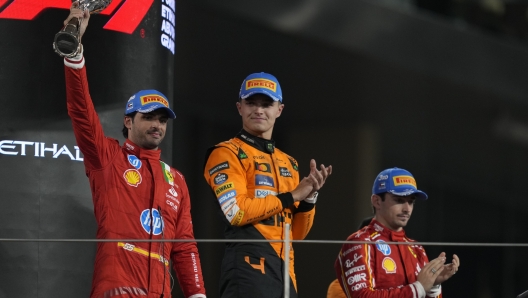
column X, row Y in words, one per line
column 252, row 180
column 135, row 196
column 381, row 269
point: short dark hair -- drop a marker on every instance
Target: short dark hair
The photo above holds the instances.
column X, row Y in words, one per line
column 382, row 196
column 125, row 129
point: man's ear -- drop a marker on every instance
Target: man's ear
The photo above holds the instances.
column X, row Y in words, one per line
column 281, row 107
column 127, row 121
column 239, row 106
column 376, row 201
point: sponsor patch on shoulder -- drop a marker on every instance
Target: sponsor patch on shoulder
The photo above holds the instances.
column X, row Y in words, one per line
column 220, row 178
column 219, row 167
column 224, row 187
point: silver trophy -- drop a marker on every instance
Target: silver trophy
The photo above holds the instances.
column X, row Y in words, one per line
column 66, row 42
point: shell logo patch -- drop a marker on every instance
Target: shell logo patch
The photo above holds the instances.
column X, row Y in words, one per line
column 132, row 177
column 389, row 265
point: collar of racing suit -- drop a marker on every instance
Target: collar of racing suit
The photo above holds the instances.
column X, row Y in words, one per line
column 259, row 143
column 390, row 234
column 141, row 153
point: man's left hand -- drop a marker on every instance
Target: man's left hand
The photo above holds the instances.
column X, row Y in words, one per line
column 449, row 270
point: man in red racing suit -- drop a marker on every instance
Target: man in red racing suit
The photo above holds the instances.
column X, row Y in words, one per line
column 381, row 269
column 135, row 195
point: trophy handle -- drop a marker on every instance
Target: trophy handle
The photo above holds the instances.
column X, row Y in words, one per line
column 66, row 42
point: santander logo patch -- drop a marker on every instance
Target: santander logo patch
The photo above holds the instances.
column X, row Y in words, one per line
column 125, row 19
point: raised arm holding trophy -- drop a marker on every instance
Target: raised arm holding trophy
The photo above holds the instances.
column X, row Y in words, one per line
column 67, row 41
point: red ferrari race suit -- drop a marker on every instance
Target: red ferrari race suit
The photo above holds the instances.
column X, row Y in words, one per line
column 252, row 180
column 381, row 269
column 135, row 196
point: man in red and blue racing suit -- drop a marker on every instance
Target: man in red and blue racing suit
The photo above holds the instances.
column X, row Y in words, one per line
column 258, row 191
column 135, row 194
column 388, row 270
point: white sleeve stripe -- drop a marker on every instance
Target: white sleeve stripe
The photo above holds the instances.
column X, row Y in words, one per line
column 74, row 63
column 198, row 296
column 413, row 290
column 419, row 288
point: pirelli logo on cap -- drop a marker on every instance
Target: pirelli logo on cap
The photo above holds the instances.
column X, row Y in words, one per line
column 404, row 180
column 146, row 99
column 261, row 83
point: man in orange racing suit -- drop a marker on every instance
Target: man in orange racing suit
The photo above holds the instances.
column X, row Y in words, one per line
column 258, row 191
column 135, row 194
column 384, row 270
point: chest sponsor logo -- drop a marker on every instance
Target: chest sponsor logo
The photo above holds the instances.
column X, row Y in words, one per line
column 264, row 180
column 284, row 172
column 259, row 157
column 151, row 221
column 389, row 265
column 262, row 193
column 263, row 167
column 354, row 248
column 360, row 286
column 134, row 161
column 132, row 177
column 223, row 188
column 349, row 263
column 225, row 197
column 357, row 278
column 173, row 192
column 218, row 168
column 173, row 195
column 383, row 247
column 220, row 178
column 172, row 205
column 355, row 269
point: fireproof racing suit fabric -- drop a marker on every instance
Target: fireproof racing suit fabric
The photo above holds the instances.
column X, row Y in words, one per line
column 381, row 269
column 135, row 196
column 252, row 180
